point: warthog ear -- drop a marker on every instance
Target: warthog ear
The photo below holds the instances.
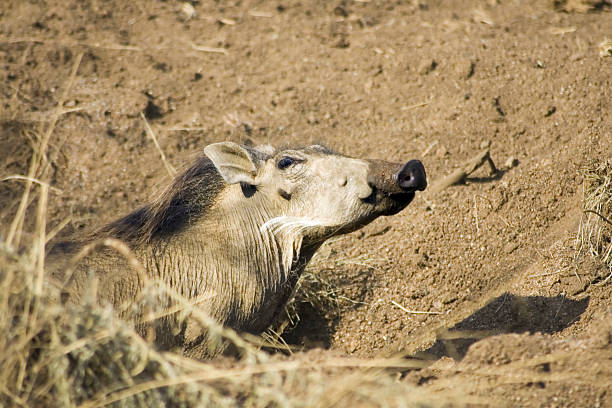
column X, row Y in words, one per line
column 235, row 163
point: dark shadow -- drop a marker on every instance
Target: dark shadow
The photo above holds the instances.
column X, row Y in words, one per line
column 319, row 316
column 497, row 176
column 315, row 328
column 507, row 314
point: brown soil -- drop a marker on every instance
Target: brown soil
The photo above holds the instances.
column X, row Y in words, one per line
column 492, row 260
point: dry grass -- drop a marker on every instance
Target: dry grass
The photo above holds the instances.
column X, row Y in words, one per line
column 595, row 230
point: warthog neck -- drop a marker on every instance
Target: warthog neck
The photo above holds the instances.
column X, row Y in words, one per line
column 239, row 273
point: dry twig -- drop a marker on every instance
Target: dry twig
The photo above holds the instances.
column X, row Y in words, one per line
column 171, row 170
column 465, row 170
column 414, row 311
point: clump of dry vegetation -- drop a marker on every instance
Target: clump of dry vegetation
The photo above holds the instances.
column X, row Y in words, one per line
column 595, row 230
column 56, row 355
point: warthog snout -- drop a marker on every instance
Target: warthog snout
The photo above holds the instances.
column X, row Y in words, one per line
column 411, row 176
column 394, row 184
column 395, row 178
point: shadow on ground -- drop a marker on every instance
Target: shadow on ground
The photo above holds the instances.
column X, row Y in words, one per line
column 320, row 312
column 315, row 329
column 507, row 313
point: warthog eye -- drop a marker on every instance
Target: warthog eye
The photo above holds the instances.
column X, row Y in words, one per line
column 286, row 162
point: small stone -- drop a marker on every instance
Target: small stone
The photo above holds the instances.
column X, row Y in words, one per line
column 187, row 11
column 511, row 162
column 605, row 48
column 427, row 67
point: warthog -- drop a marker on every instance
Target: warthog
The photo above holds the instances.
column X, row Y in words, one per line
column 234, row 231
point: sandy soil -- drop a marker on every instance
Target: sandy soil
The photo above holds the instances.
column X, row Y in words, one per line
column 491, row 261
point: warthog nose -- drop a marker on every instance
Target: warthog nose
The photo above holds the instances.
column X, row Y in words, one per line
column 412, row 176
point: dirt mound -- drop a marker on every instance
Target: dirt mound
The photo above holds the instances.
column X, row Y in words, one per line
column 501, row 279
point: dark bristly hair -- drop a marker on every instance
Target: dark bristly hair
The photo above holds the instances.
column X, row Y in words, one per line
column 182, row 203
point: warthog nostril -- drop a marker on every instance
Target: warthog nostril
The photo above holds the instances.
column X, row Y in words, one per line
column 412, row 176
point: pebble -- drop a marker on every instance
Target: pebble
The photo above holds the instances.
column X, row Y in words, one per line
column 511, row 162
column 187, row 11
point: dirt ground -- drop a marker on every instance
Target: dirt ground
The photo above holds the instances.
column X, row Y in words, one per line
column 489, row 265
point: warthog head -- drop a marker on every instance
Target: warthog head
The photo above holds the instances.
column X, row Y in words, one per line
column 312, row 192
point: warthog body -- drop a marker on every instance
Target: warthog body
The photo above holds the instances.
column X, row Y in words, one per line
column 234, row 231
